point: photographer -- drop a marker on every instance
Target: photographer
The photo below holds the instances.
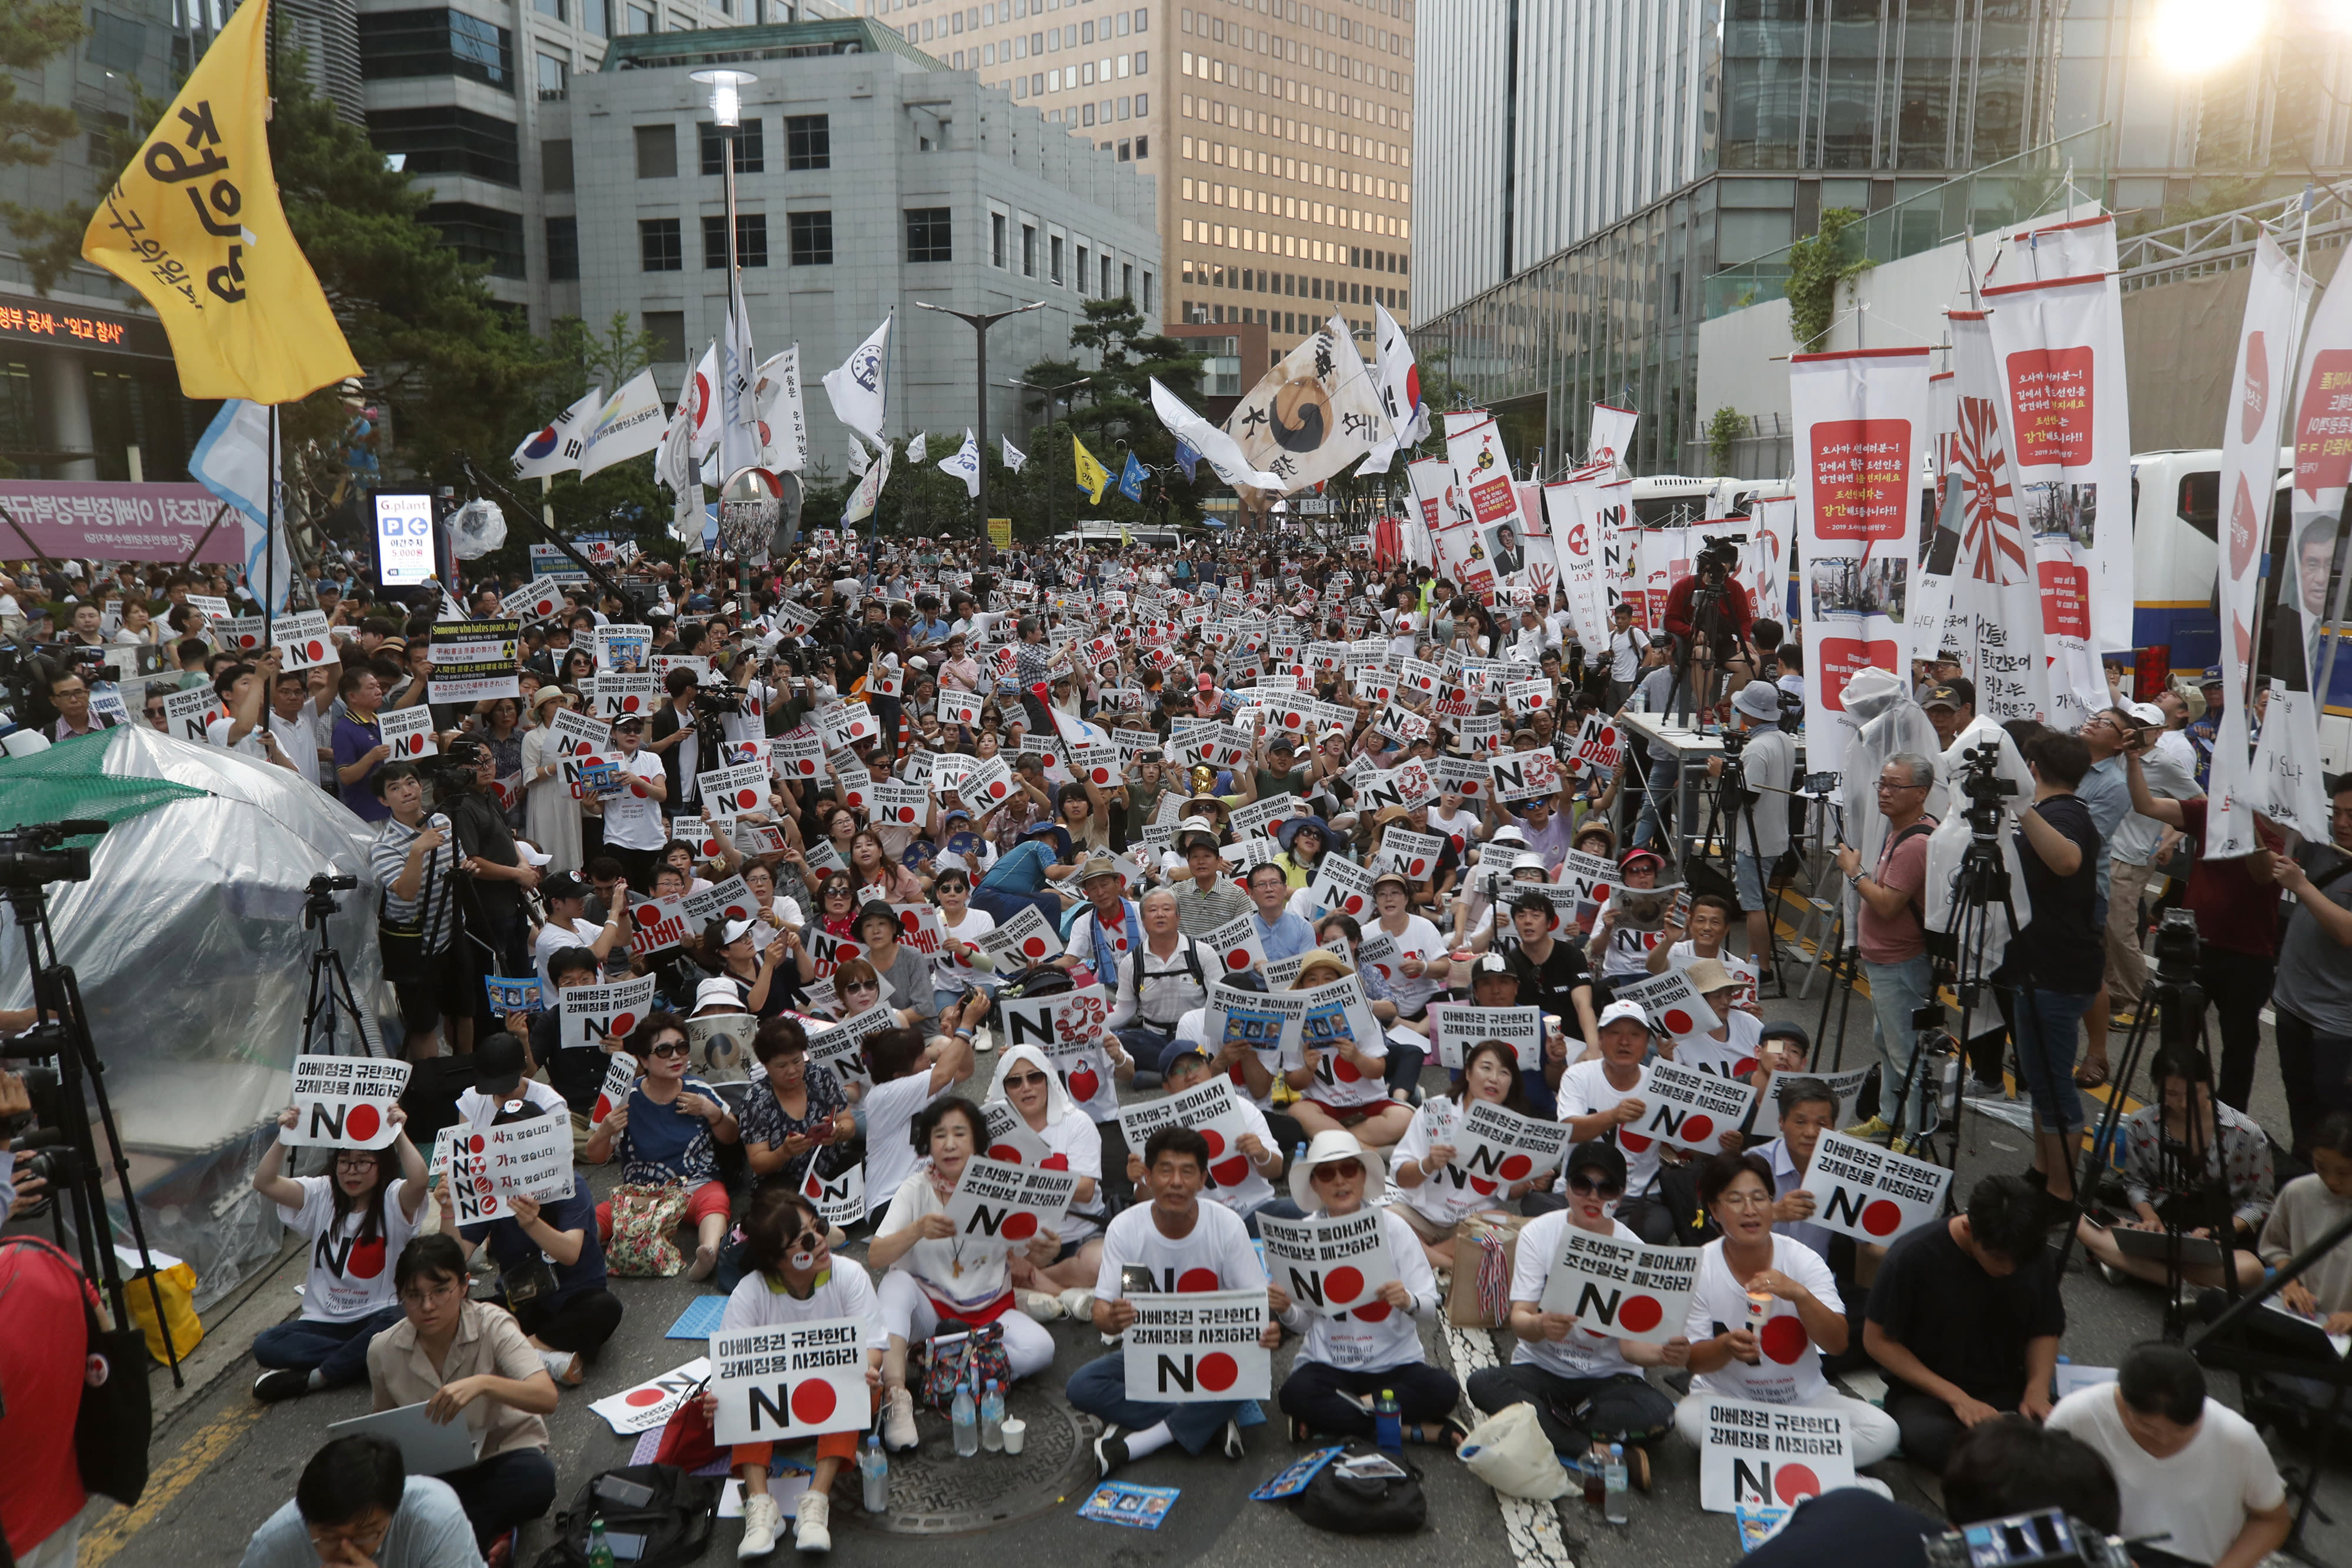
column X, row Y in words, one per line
column 1768, row 762
column 676, row 739
column 497, row 915
column 415, row 862
column 1890, row 935
column 1711, row 630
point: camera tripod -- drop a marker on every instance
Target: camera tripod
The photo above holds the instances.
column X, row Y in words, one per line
column 1724, row 816
column 30, row 859
column 330, row 988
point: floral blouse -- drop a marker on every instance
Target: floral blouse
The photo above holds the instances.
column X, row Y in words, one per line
column 2241, row 1150
column 768, row 1123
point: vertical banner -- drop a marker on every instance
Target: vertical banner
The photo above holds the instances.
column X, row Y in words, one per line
column 1543, row 576
column 2286, row 780
column 1610, row 510
column 1568, row 512
column 1934, row 630
column 1995, row 615
column 2058, row 376
column 1612, row 435
column 1494, row 557
column 1862, row 421
column 1764, row 558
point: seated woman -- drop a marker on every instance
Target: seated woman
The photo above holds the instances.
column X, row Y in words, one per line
column 469, row 1361
column 551, row 1268
column 668, row 1134
column 796, row 1117
column 961, row 969
column 1349, row 1093
column 1026, row 1082
column 935, row 1280
column 1765, row 1310
column 360, row 1214
column 760, row 974
column 913, row 1004
column 2161, row 1146
column 1586, row 1387
column 791, row 1278
column 1438, row 1196
column 1376, row 1345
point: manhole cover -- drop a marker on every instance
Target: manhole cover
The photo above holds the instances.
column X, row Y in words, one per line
column 932, row 1492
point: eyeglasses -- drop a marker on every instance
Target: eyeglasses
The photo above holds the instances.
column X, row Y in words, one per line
column 1885, row 787
column 1744, row 1200
column 432, row 1295
column 366, row 1161
column 669, row 1048
column 1021, row 1079
column 1585, row 1186
column 1340, row 1170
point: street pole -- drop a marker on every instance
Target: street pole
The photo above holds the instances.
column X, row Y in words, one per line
column 980, row 323
column 1051, row 395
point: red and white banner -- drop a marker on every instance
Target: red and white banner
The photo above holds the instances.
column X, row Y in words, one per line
column 1568, row 513
column 1862, row 423
column 1612, row 435
column 1608, row 510
column 1993, row 608
column 1492, row 556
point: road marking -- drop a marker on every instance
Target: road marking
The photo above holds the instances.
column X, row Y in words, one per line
column 1532, row 1528
column 169, row 1479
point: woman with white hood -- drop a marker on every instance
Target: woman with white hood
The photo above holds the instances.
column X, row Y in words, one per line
column 1373, row 1347
column 1026, row 1083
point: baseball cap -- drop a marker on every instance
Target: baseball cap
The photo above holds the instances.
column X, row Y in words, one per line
column 1490, row 964
column 497, row 1065
column 1616, row 1010
column 2212, row 675
column 1598, row 1155
column 2147, row 715
column 629, row 721
column 1957, row 692
column 1638, row 854
column 562, row 884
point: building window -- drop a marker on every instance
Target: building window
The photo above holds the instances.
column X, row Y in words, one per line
column 641, row 20
column 1127, row 150
column 562, row 250
column 481, row 234
column 812, row 236
column 657, row 151
column 751, row 147
column 996, row 239
column 554, row 78
column 1054, row 258
column 597, row 16
column 659, row 247
column 446, row 140
column 549, row 8
column 751, row 239
column 1127, row 280
column 1028, row 250
column 1142, row 144
column 1147, row 291
column 1082, row 269
column 555, row 163
column 436, row 43
column 930, row 234
column 808, row 141
column 668, row 328
column 1105, row 289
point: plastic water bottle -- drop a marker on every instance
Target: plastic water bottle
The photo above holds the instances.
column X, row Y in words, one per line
column 1388, row 1426
column 991, row 1419
column 600, row 1550
column 874, row 1472
column 1592, row 1470
column 965, row 1416
column 1614, row 1486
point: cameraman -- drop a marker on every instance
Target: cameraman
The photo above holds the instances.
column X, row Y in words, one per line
column 415, row 862
column 497, row 915
column 676, row 738
column 1768, row 763
column 1699, row 631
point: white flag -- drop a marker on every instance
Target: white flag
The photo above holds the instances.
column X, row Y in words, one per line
column 856, row 390
column 234, row 461
column 1219, row 451
column 1400, row 383
column 1311, row 416
column 916, row 449
column 1013, row 455
column 630, row 425
column 965, row 464
column 738, row 423
column 1613, row 433
column 860, row 460
column 556, row 449
column 783, row 421
column 675, row 466
column 868, row 491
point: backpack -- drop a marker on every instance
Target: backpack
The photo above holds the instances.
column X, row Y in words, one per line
column 675, row 1523
column 1389, row 1505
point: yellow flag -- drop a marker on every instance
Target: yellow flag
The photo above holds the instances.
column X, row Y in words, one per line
column 195, row 227
column 1093, row 477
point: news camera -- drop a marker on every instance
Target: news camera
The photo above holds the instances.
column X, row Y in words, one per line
column 2023, row 1541
column 31, row 858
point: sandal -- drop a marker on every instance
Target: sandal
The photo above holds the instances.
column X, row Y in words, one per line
column 1452, row 1433
column 2090, row 1074
column 1301, row 1434
column 1637, row 1461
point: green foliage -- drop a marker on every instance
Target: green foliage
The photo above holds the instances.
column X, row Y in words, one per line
column 31, row 32
column 585, row 357
column 1817, row 267
column 1727, row 425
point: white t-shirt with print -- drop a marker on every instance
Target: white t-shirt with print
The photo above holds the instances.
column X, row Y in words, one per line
column 1216, row 1254
column 1585, row 1091
column 1375, row 1336
column 843, row 1290
column 964, row 1271
column 952, row 972
column 2202, row 1495
column 554, row 939
column 1733, row 1056
column 349, row 1278
column 889, row 1111
column 479, row 1108
column 1789, row 1369
column 634, row 821
column 1444, row 1197
column 1420, row 940
column 1583, row 1354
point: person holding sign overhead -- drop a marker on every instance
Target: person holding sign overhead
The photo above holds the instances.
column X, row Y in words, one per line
column 1360, row 1352
column 1764, row 1310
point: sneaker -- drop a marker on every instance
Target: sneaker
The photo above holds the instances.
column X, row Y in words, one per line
column 2122, row 1017
column 281, row 1383
column 812, row 1523
column 1871, row 1131
column 899, row 1433
column 1078, row 1302
column 1039, row 1305
column 762, row 1519
column 984, row 1041
column 1901, row 1146
column 1234, row 1450
column 1110, row 1452
column 1975, row 1088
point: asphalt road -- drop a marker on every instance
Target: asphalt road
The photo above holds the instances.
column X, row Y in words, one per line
column 223, row 1463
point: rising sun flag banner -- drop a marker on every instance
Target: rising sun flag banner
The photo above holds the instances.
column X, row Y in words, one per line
column 194, row 226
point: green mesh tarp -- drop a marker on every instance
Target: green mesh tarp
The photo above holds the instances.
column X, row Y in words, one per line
column 69, row 780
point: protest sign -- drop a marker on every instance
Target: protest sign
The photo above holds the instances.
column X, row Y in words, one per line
column 1064, row 1026
column 1260, row 816
column 791, row 1382
column 622, row 649
column 579, row 732
column 241, row 633
column 1626, row 1290
column 301, row 640
column 797, row 755
column 1499, row 1148
column 1769, row 1455
column 1869, row 1193
column 1455, row 1030
column 474, row 660
column 516, row 1159
column 1235, row 944
column 1341, row 887
column 1024, row 940
column 185, row 714
column 1524, row 775
column 960, row 708
column 1268, row 1023
column 1012, row 1140
column 990, row 783
column 1197, row 1346
column 1693, row 1110
column 657, row 925
column 591, row 1013
column 1412, row 855
column 996, row 1201
column 408, row 731
column 1334, row 1263
column 840, row 1197
column 841, row 1047
column 534, row 600
column 513, row 993
column 1601, row 743
column 344, row 1101
column 1463, row 776
column 1335, row 1014
column 625, row 694
column 728, row 900
column 615, row 1092
column 901, row 805
column 1210, row 1109
column 1673, row 1003
column 652, row 1403
column 727, row 791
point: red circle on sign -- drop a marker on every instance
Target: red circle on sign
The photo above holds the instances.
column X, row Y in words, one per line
column 813, row 1401
column 628, row 705
column 1083, row 1084
column 1238, row 958
column 1677, row 1021
column 641, row 1397
column 1372, row 1312
column 1418, row 867
column 1784, row 1340
column 814, row 1186
column 313, row 650
column 1055, row 1162
column 603, row 1108
column 1195, row 1280
column 1353, row 904
column 1344, row 1284
column 1101, row 775
column 1020, row 1226
column 1216, row 1141
column 1790, row 1482
column 1005, row 1152
column 908, row 920
column 1217, row 1372
column 476, row 1143
column 1633, row 1142
column 1231, row 1172
column 1695, row 1129
column 1880, row 1217
column 1483, row 1185
column 806, row 766
column 747, row 798
column 737, row 911
column 648, row 915
column 624, row 1023
column 1641, row 1315
column 1743, row 1067
column 1035, row 947
column 1514, row 1167
column 362, row 1124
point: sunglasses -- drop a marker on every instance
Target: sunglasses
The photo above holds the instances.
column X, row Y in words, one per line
column 1340, row 1170
column 1021, row 1079
column 1585, row 1186
column 669, row 1048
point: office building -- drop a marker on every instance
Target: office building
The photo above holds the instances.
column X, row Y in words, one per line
column 1279, row 134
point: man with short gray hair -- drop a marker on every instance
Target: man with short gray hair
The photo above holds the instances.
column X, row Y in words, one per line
column 1158, row 985
column 1891, row 934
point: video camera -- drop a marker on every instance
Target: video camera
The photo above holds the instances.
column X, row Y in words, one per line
column 2024, row 1539
column 718, row 701
column 30, row 858
column 1983, row 786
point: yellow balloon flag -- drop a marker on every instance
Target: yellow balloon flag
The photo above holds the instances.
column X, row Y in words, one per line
column 195, row 224
column 1093, row 477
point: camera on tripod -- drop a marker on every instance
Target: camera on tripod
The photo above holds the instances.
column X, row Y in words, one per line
column 31, row 858
column 717, row 702
column 2177, row 948
column 2024, row 1539
column 319, row 904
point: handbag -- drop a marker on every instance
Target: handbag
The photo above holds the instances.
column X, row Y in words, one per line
column 1364, row 1505
column 688, row 1439
column 644, row 1219
column 177, row 1285
column 1485, row 1247
column 115, row 1419
column 947, row 1366
column 1510, row 1452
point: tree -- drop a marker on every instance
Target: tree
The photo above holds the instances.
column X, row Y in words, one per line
column 1112, row 414
column 587, row 359
column 1817, row 267
column 31, row 32
column 1726, row 427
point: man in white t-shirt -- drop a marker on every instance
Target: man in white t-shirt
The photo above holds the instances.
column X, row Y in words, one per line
column 241, row 689
column 634, row 828
column 2193, row 1475
column 1180, row 1245
column 567, row 925
column 299, row 701
column 1627, row 644
column 1769, row 766
column 1601, row 1098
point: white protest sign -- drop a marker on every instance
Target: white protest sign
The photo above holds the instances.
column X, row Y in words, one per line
column 1235, row 944
column 615, row 1092
column 1197, row 1347
column 791, row 1382
column 1260, row 816
column 840, row 1199
column 517, row 1159
column 1626, row 1290
column 1463, row 776
column 185, row 714
column 344, row 1101
column 1012, row 1141
column 302, row 640
column 728, row 900
column 841, row 1047
column 797, row 755
column 1025, row 940
column 1456, row 1030
column 1412, row 855
column 1379, row 953
column 408, row 731
column 1210, row 1109
column 1499, row 1148
column 1334, row 1263
column 1341, row 887
column 1524, row 775
column 1869, row 1193
column 625, row 694
column 1673, row 1003
column 591, row 1013
column 994, row 1201
column 534, row 600
column 1693, row 1110
column 960, row 708
column 1267, row 1023
column 727, row 791
column 652, row 1403
column 657, row 925
column 1601, row 743
column 1064, row 1026
column 1770, row 1456
column 241, row 632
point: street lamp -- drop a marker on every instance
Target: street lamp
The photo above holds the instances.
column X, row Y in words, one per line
column 1051, row 394
column 979, row 322
column 748, row 494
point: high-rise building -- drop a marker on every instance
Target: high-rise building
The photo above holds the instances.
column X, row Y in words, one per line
column 1279, row 134
column 1587, row 166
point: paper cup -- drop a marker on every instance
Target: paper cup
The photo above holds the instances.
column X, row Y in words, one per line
column 1016, row 1432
